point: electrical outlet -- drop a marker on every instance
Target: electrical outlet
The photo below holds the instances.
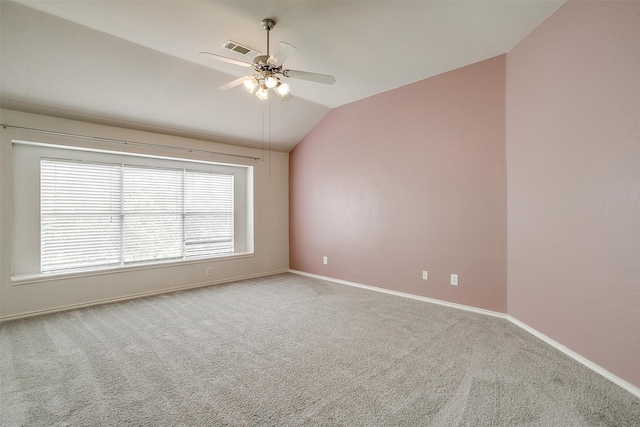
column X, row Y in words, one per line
column 324, row 260
column 425, row 275
column 454, row 279
column 207, row 271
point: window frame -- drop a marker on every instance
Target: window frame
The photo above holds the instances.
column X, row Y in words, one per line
column 26, row 253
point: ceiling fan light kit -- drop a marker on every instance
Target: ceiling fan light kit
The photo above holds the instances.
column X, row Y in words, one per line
column 268, row 68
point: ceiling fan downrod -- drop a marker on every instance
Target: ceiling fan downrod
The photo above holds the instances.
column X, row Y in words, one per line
column 268, row 25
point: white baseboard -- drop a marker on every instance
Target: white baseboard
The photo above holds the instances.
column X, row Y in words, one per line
column 406, row 295
column 135, row 296
column 575, row 356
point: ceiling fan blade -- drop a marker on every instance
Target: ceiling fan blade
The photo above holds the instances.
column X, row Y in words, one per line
column 312, row 77
column 227, row 60
column 282, row 52
column 234, row 83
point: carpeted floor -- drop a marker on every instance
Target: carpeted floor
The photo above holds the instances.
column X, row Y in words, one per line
column 288, row 350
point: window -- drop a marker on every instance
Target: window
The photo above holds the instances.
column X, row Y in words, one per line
column 105, row 210
column 80, row 215
column 97, row 214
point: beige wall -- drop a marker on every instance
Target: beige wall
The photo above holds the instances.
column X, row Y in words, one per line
column 573, row 156
column 409, row 180
column 270, row 222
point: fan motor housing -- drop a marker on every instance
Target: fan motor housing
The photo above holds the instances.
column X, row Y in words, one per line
column 261, row 64
column 260, row 60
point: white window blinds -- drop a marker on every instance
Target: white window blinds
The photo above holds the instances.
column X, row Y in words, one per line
column 99, row 215
column 208, row 222
column 79, row 214
column 152, row 210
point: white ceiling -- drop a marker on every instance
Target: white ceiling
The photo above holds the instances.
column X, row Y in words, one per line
column 136, row 63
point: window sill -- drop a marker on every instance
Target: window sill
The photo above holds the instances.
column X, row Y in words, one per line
column 24, row 279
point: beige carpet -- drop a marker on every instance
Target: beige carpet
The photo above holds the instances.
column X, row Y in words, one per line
column 288, row 350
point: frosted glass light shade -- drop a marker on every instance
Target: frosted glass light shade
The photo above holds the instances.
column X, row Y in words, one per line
column 263, row 93
column 250, row 84
column 271, row 81
column 282, row 89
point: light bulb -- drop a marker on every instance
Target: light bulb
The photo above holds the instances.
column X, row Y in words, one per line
column 271, row 81
column 282, row 89
column 263, row 93
column 250, row 84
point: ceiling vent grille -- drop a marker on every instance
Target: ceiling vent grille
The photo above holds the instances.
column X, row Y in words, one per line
column 240, row 49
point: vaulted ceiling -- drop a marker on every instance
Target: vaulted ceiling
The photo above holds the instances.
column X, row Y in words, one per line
column 135, row 64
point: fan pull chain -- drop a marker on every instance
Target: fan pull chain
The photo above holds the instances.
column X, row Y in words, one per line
column 269, row 138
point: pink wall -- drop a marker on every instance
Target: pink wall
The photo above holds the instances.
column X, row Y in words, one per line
column 573, row 160
column 409, row 180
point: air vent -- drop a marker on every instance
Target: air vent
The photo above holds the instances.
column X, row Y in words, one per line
column 242, row 50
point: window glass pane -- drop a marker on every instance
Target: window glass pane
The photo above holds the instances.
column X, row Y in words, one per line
column 208, row 234
column 152, row 190
column 80, row 214
column 208, row 214
column 152, row 237
column 152, row 213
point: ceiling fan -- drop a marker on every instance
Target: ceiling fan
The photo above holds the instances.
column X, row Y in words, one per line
column 267, row 69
